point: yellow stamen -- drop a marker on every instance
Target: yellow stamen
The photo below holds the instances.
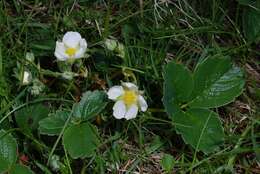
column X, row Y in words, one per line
column 71, row 51
column 129, row 97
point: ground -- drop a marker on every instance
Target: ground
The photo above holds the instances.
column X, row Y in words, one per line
column 153, row 33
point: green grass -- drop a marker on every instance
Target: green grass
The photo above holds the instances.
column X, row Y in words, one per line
column 153, row 33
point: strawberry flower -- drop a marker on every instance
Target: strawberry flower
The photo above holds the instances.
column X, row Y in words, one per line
column 128, row 100
column 73, row 46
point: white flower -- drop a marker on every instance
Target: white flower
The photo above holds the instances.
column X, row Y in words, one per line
column 128, row 100
column 27, row 78
column 71, row 47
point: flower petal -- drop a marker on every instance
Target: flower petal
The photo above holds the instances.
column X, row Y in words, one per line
column 119, row 109
column 60, row 51
column 83, row 43
column 131, row 112
column 130, row 86
column 82, row 49
column 115, row 92
column 71, row 39
column 142, row 103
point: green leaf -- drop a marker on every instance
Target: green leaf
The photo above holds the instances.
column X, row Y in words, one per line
column 178, row 81
column 201, row 128
column 251, row 21
column 8, row 151
column 4, row 165
column 178, row 85
column 216, row 83
column 91, row 104
column 81, row 140
column 28, row 117
column 167, row 163
column 53, row 124
column 20, row 169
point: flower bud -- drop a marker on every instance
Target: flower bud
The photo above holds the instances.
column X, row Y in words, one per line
column 29, row 56
column 37, row 87
column 110, row 44
column 55, row 163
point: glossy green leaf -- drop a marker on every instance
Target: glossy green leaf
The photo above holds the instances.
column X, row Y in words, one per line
column 178, row 85
column 216, row 83
column 201, row 128
column 81, row 140
column 91, row 104
column 28, row 117
column 8, row 151
column 20, row 169
column 53, row 124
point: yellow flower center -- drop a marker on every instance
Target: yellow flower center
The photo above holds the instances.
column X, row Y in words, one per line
column 71, row 51
column 129, row 97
